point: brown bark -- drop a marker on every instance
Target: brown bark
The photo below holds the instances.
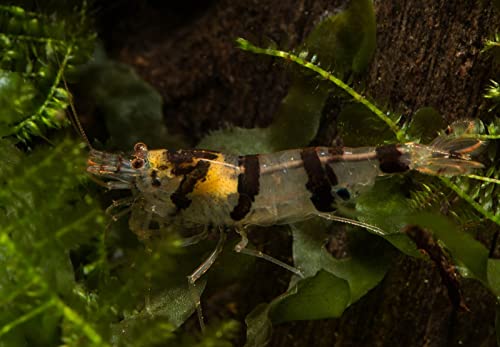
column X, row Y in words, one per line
column 428, row 54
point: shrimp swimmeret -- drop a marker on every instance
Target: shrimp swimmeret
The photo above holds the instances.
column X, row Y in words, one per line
column 200, row 187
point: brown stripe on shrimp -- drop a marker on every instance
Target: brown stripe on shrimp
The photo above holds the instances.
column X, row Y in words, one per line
column 248, row 186
column 318, row 183
column 191, row 178
column 184, row 161
column 391, row 159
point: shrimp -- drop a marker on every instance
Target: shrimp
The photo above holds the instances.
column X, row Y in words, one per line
column 207, row 188
column 201, row 187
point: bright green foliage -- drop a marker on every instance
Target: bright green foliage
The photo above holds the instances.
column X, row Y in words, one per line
column 44, row 217
column 66, row 278
column 36, row 52
column 493, row 93
column 492, row 47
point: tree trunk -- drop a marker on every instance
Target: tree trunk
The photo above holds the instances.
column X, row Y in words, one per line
column 428, row 54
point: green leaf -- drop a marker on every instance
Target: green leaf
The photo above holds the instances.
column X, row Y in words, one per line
column 385, row 206
column 365, row 267
column 259, row 326
column 163, row 314
column 322, row 296
column 130, row 107
column 425, row 124
column 297, row 120
column 462, row 246
column 493, row 273
column 346, row 41
column 238, row 141
column 372, row 131
column 330, row 285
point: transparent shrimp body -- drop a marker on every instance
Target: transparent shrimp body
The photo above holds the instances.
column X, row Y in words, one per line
column 199, row 187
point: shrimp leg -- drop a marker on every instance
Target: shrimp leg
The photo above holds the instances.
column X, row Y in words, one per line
column 241, row 248
column 369, row 227
column 200, row 271
column 192, row 240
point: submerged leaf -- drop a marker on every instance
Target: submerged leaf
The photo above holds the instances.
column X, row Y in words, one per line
column 346, row 41
column 493, row 273
column 425, row 124
column 321, row 296
column 130, row 107
column 358, row 127
column 330, row 284
column 462, row 246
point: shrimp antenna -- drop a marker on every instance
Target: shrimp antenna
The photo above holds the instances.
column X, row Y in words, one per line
column 73, row 118
column 75, row 121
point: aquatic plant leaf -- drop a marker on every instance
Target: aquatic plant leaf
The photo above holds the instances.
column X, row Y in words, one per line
column 386, row 207
column 322, row 296
column 425, row 125
column 493, row 274
column 358, row 127
column 330, row 285
column 238, row 141
column 158, row 320
column 368, row 260
column 352, row 35
column 130, row 108
column 16, row 94
column 462, row 246
column 343, row 42
column 297, row 120
column 259, row 326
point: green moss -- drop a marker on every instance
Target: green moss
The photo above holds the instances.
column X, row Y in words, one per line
column 38, row 51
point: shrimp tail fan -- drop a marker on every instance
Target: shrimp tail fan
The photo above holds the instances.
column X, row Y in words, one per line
column 447, row 156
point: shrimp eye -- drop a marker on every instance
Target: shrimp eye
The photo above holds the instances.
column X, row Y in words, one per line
column 140, row 147
column 137, row 163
